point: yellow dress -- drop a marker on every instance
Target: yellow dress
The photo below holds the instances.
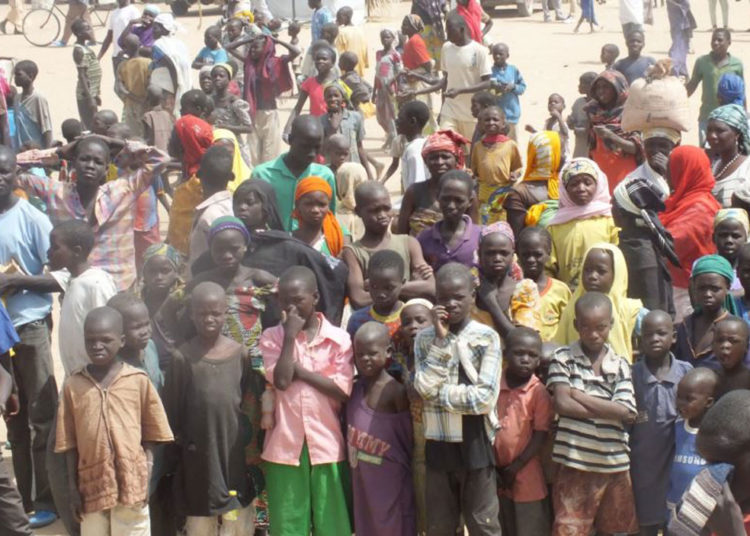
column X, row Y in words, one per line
column 494, row 166
column 554, row 297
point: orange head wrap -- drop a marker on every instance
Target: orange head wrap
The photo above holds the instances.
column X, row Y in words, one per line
column 331, row 229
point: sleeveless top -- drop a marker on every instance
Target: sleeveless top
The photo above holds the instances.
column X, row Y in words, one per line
column 398, row 243
column 93, row 72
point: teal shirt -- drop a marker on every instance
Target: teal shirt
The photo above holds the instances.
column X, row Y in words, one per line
column 707, row 72
column 150, row 365
column 284, row 184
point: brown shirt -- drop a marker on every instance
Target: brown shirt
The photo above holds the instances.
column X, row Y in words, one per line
column 108, row 427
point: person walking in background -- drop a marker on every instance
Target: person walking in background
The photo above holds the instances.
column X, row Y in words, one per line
column 77, row 9
column 15, row 17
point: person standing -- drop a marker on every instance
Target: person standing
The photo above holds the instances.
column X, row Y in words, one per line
column 119, row 19
column 77, row 9
column 15, row 17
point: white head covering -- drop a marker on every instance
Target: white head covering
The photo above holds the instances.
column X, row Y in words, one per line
column 167, row 21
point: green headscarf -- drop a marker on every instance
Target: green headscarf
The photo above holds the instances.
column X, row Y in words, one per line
column 736, row 117
column 716, row 264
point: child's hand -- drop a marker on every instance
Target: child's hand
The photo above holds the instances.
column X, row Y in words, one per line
column 292, row 322
column 423, row 271
column 630, row 418
column 658, row 163
column 451, row 93
column 440, row 321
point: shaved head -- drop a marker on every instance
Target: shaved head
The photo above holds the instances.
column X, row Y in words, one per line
column 299, row 275
column 373, row 331
column 207, row 291
column 103, row 319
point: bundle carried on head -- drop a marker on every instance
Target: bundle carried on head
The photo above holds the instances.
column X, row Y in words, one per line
column 659, row 100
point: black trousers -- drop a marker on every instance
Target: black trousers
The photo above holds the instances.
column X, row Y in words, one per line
column 13, row 520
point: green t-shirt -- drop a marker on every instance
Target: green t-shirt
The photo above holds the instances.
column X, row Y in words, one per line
column 707, row 72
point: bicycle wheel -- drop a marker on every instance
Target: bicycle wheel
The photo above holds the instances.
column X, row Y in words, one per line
column 41, row 27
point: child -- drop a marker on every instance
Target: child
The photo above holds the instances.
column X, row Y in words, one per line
column 213, row 52
column 410, row 122
column 385, row 85
column 696, row 393
column 634, row 65
column 339, row 119
column 352, row 38
column 456, row 237
column 71, row 129
column 655, row 380
column 205, row 82
column 731, row 227
column 588, row 15
column 131, row 85
column 730, row 348
column 321, row 15
column 33, row 121
column 159, row 120
column 509, row 84
column 555, row 122
column 460, row 397
column 593, row 395
column 102, row 121
column 609, row 55
column 604, row 270
column 108, row 440
column 584, row 218
column 312, row 87
column 533, row 248
column 385, row 277
column 495, row 162
column 379, row 440
column 479, row 101
column 349, row 175
column 309, row 362
column 525, row 413
column 373, row 206
column 203, row 392
column 88, row 87
column 578, row 119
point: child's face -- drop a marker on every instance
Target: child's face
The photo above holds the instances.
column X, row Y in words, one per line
column 312, row 208
column 593, row 327
column 555, row 103
column 210, row 39
column 159, row 273
column 234, row 30
column 414, row 318
column 84, row 30
column 710, row 290
column 743, row 271
column 375, row 211
column 102, row 342
column 598, row 273
column 457, row 296
column 208, row 313
column 371, row 355
column 455, row 32
column 91, row 163
column 500, row 55
column 323, row 62
column 694, row 397
column 730, row 344
column 293, row 30
column 220, row 79
column 405, row 125
column 476, row 108
column 385, row 287
column 533, row 254
column 336, row 156
column 657, row 336
column 657, row 153
column 581, row 189
column 136, row 326
column 523, row 357
column 492, row 121
column 328, row 34
column 584, row 87
column 227, row 249
column 495, row 255
column 604, row 93
column 387, row 39
column 21, row 78
column 256, row 48
column 249, row 208
column 59, row 254
column 295, row 294
column 729, row 236
column 635, row 44
column 454, row 199
column 334, row 99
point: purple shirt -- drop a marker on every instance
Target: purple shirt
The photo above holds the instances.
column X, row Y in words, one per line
column 437, row 253
column 380, row 450
column 144, row 33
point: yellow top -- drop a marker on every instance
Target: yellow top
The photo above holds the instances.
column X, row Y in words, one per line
column 493, row 166
column 554, row 298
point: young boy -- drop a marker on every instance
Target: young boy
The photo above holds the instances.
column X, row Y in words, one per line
column 634, row 66
column 321, row 15
column 108, row 439
column 32, row 118
column 213, row 52
column 351, row 38
column 88, row 87
column 609, row 55
column 71, row 129
column 730, row 347
column 509, row 84
column 385, row 277
column 458, row 364
column 131, row 85
column 525, row 413
column 578, row 120
column 655, row 380
column 349, row 175
column 158, row 122
column 593, row 395
column 379, row 440
column 410, row 122
column 309, row 362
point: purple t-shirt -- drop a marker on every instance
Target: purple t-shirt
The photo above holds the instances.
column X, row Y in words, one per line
column 380, row 449
column 437, row 253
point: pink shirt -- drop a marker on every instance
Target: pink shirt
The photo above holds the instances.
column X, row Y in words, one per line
column 314, row 90
column 303, row 413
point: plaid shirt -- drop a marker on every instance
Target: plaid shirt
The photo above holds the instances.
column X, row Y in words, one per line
column 477, row 348
column 112, row 220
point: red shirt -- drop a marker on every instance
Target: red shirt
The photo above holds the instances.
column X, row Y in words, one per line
column 314, row 90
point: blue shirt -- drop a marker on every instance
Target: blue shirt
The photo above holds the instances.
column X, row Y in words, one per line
column 509, row 101
column 687, row 462
column 217, row 55
column 320, row 17
column 25, row 239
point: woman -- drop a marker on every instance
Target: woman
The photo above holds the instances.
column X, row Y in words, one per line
column 616, row 152
column 240, row 168
column 317, row 225
column 688, row 217
column 387, row 68
column 418, row 64
column 540, row 181
column 170, row 66
column 442, row 152
column 431, row 12
column 230, row 112
column 729, row 138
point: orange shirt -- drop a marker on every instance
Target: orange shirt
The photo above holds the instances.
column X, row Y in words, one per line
column 522, row 411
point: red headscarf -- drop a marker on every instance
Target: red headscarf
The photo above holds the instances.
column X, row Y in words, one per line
column 472, row 14
column 690, row 210
column 446, row 140
column 196, row 136
column 331, row 229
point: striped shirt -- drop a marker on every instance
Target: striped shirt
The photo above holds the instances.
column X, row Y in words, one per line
column 477, row 348
column 595, row 445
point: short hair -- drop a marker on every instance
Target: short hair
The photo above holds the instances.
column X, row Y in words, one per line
column 76, row 233
column 29, row 67
column 109, row 117
column 346, row 11
column 417, row 110
column 369, row 188
column 520, row 332
column 305, row 121
column 121, row 131
column 593, row 300
column 335, row 141
column 122, row 301
column 588, row 77
column 93, row 140
column 536, row 231
column 484, row 99
column 387, row 259
column 330, row 27
column 636, row 31
column 724, row 431
column 498, row 45
column 194, row 98
column 454, row 17
column 101, row 315
column 328, row 49
column 216, row 166
column 731, row 319
column 457, row 175
column 725, row 31
column 71, row 128
column 214, row 31
column 453, row 271
column 348, row 58
column 77, row 24
column 207, row 289
column 373, row 330
column 612, row 48
column 301, row 274
column 557, row 95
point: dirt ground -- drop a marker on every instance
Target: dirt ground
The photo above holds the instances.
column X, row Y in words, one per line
column 549, row 55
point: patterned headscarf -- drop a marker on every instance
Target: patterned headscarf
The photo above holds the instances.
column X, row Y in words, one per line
column 446, row 140
column 228, row 222
column 731, row 89
column 164, row 250
column 501, row 227
column 738, row 214
column 543, row 161
column 600, row 204
column 736, row 117
column 415, row 21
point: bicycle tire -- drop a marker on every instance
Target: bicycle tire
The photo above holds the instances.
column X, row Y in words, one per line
column 41, row 27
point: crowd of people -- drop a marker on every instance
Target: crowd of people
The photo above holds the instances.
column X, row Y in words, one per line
column 556, row 344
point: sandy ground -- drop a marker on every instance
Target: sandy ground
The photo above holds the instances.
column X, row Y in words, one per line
column 549, row 55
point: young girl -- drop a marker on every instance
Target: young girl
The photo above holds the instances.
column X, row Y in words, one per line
column 588, row 15
column 731, row 229
column 230, row 112
column 386, row 84
column 605, row 271
column 312, row 87
column 616, row 152
column 584, row 218
column 340, row 119
column 317, row 226
column 533, row 248
column 495, row 162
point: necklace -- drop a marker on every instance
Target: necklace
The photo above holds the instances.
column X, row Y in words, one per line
column 720, row 173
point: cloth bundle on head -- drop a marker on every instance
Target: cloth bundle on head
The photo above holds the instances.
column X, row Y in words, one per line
column 240, row 169
column 164, row 250
column 731, row 89
column 332, row 232
column 598, row 206
column 738, row 214
column 224, row 223
column 446, row 140
column 415, row 21
column 716, row 264
column 624, row 310
column 736, row 117
column 543, row 160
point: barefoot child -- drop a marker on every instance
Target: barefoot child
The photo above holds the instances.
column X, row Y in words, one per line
column 730, row 348
column 379, row 440
column 593, row 395
column 108, row 440
column 509, row 84
column 385, row 85
column 525, row 412
column 88, row 87
column 655, row 380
